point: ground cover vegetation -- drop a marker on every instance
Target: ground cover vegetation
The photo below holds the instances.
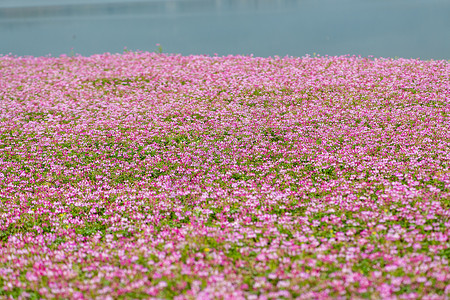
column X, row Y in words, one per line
column 143, row 175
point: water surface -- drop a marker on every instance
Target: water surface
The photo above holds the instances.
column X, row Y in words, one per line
column 387, row 28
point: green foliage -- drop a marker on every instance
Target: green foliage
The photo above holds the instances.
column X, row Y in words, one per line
column 212, row 218
column 445, row 253
column 120, row 81
column 123, row 233
column 58, row 241
column 441, row 185
column 445, row 203
column 234, row 253
column 159, row 49
column 272, row 135
column 172, row 221
column 26, row 224
column 286, row 231
column 16, row 292
column 91, row 228
column 237, row 176
column 79, row 211
column 127, row 177
column 134, row 295
column 364, row 266
column 34, row 116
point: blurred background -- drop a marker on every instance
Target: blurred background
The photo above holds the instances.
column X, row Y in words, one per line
column 382, row 28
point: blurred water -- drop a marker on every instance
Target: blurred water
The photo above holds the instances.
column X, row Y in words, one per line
column 387, row 28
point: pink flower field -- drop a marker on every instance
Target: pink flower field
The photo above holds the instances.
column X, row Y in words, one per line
column 154, row 176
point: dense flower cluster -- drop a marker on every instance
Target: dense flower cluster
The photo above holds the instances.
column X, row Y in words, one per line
column 144, row 175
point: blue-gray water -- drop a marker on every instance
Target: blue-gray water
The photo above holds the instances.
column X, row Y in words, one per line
column 382, row 28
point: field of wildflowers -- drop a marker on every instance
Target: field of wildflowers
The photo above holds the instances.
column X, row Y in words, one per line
column 143, row 175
